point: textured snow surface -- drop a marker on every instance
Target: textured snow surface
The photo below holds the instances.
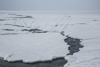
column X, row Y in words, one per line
column 87, row 29
column 18, row 44
column 32, row 47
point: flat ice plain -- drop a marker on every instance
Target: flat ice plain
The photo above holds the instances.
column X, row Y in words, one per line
column 16, row 44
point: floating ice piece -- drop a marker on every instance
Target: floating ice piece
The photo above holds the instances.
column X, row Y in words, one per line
column 32, row 47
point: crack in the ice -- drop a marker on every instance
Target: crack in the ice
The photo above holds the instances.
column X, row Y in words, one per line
column 74, row 44
column 57, row 62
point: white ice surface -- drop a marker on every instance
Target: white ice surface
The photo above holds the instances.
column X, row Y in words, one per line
column 89, row 31
column 32, row 47
column 85, row 26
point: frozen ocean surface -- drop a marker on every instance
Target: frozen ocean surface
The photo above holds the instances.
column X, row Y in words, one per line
column 18, row 40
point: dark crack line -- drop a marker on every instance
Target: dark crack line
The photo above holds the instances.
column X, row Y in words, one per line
column 57, row 62
column 74, row 44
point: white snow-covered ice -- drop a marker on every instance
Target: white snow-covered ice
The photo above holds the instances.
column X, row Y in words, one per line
column 32, row 47
column 87, row 28
column 45, row 46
